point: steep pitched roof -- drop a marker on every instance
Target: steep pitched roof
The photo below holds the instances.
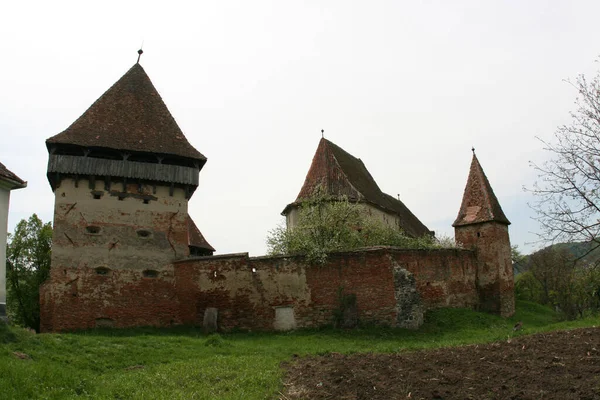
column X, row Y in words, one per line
column 338, row 173
column 13, row 180
column 195, row 237
column 479, row 203
column 129, row 116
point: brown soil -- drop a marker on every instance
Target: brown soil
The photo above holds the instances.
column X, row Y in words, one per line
column 555, row 365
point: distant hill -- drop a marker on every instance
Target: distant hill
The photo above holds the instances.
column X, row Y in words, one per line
column 586, row 252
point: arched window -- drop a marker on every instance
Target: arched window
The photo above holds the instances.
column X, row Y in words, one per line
column 103, row 271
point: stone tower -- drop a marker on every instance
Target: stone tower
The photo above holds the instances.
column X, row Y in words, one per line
column 482, row 226
column 122, row 175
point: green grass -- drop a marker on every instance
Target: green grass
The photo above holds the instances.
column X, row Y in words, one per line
column 182, row 363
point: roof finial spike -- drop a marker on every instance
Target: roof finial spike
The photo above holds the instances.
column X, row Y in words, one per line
column 473, row 150
column 322, row 133
column 398, row 196
column 140, row 52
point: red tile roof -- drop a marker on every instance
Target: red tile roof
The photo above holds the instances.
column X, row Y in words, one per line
column 195, row 237
column 479, row 203
column 129, row 116
column 338, row 173
column 10, row 177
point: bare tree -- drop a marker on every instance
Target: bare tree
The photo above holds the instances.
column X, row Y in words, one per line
column 568, row 185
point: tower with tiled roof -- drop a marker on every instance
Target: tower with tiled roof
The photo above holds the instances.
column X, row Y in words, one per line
column 336, row 173
column 122, row 175
column 482, row 226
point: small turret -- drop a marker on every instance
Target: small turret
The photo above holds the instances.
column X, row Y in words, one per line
column 482, row 226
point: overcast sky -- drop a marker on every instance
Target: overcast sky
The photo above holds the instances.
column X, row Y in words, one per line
column 408, row 87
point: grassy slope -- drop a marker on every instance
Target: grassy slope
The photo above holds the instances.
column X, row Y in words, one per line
column 183, row 363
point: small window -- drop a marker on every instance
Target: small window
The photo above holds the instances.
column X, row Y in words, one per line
column 93, row 230
column 478, row 234
column 150, row 273
column 97, row 196
column 144, row 234
column 121, row 198
column 103, row 271
column 146, row 201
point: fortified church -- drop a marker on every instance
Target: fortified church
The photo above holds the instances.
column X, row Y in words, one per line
column 126, row 252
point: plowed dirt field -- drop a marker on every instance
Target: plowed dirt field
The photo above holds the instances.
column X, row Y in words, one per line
column 554, row 365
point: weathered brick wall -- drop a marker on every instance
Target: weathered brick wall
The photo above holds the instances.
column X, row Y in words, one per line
column 247, row 291
column 79, row 298
column 490, row 241
column 445, row 277
column 105, row 237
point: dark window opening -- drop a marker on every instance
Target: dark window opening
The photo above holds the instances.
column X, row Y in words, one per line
column 97, row 196
column 107, row 154
column 478, row 234
column 145, row 158
column 199, row 252
column 102, row 271
column 150, row 273
column 146, row 201
column 144, row 233
column 92, row 229
column 67, row 150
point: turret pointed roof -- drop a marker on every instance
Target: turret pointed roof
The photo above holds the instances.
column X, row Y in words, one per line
column 479, row 203
column 337, row 173
column 195, row 237
column 129, row 116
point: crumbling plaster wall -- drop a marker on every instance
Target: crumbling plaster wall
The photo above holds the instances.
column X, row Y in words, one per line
column 247, row 291
column 79, row 298
column 118, row 244
column 393, row 287
column 99, row 274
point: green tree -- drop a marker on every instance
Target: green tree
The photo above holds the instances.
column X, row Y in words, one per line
column 326, row 225
column 518, row 259
column 557, row 278
column 27, row 266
